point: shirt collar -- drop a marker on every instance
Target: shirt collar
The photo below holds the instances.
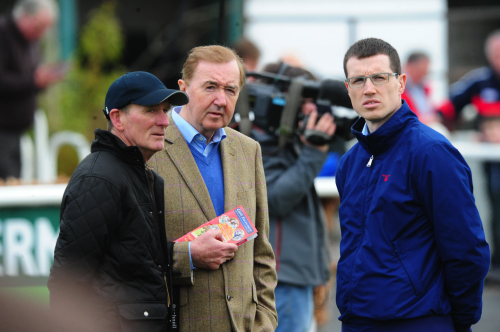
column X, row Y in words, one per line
column 365, row 130
column 189, row 132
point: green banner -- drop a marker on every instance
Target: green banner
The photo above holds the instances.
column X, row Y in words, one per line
column 27, row 239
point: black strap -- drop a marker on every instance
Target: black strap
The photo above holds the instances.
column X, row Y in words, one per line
column 174, row 311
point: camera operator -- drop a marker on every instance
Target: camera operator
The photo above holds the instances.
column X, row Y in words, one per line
column 297, row 223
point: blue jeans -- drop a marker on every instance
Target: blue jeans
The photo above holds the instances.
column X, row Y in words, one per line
column 295, row 307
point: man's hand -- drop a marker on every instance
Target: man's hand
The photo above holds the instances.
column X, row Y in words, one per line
column 46, row 75
column 325, row 125
column 208, row 251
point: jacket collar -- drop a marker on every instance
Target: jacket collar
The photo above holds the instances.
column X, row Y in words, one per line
column 177, row 149
column 106, row 141
column 385, row 136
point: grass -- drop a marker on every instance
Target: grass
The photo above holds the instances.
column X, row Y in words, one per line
column 36, row 294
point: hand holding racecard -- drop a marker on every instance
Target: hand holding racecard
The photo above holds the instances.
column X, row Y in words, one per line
column 235, row 225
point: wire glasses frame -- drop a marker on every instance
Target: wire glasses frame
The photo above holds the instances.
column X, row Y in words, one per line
column 377, row 79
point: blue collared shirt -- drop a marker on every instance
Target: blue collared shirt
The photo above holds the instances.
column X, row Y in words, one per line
column 196, row 140
column 365, row 130
column 193, row 137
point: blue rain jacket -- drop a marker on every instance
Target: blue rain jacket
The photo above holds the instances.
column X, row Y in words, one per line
column 412, row 243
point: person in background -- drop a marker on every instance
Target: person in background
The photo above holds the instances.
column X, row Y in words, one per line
column 413, row 249
column 417, row 91
column 490, row 133
column 481, row 88
column 21, row 75
column 249, row 53
column 298, row 231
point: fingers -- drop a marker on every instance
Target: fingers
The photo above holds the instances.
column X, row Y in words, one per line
column 326, row 124
column 308, row 107
column 44, row 76
column 311, row 122
column 217, row 262
column 230, row 256
column 231, row 247
column 217, row 234
column 324, row 121
column 208, row 251
column 329, row 128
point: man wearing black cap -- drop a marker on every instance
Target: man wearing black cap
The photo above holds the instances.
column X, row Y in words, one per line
column 111, row 261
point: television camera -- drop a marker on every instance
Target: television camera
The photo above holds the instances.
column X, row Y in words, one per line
column 272, row 102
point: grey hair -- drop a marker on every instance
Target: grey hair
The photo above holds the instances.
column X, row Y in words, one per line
column 493, row 35
column 125, row 109
column 416, row 56
column 33, row 7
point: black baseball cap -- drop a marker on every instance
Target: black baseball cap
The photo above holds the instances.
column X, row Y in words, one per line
column 141, row 88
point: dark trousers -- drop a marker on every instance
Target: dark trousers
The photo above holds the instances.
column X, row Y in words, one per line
column 10, row 154
column 420, row 324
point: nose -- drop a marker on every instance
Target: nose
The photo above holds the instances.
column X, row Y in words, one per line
column 369, row 87
column 220, row 99
column 162, row 119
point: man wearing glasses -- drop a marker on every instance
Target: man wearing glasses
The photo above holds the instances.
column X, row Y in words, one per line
column 413, row 250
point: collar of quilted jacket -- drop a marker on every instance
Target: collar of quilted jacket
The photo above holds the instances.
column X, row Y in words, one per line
column 106, row 141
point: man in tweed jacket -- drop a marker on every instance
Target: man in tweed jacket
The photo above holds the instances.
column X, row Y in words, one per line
column 209, row 169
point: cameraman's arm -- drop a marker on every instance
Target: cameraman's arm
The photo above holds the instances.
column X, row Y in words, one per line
column 289, row 178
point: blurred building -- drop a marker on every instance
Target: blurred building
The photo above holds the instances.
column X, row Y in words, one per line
column 469, row 23
column 319, row 32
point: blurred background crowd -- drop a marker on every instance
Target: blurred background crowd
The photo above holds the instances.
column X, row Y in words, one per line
column 67, row 53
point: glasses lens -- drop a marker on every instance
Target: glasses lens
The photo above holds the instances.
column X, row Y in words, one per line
column 356, row 82
column 378, row 79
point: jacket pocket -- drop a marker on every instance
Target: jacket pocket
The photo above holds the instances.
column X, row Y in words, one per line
column 409, row 267
column 142, row 316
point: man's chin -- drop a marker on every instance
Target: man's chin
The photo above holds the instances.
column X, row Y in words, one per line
column 156, row 147
column 215, row 125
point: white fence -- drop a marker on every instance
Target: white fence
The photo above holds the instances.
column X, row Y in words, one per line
column 39, row 158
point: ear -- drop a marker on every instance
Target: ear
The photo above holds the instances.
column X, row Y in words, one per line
column 346, row 86
column 182, row 85
column 116, row 117
column 402, row 83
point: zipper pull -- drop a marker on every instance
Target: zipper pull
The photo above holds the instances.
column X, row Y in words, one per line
column 370, row 162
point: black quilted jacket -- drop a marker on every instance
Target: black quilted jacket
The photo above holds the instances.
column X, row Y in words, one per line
column 111, row 259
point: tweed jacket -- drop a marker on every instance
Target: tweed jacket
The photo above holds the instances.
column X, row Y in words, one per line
column 239, row 295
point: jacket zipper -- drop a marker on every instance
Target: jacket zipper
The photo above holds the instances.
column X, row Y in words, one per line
column 164, row 259
column 370, row 162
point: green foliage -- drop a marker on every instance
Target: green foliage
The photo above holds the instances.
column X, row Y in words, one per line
column 96, row 67
column 102, row 39
column 67, row 160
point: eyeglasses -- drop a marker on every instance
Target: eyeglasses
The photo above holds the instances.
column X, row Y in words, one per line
column 377, row 79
